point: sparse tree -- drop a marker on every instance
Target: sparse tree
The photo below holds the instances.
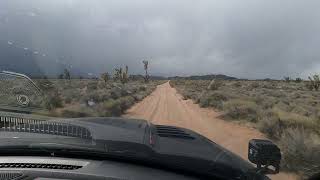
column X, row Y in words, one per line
column 147, row 77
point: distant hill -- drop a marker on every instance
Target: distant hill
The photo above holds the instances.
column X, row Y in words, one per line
column 204, row 77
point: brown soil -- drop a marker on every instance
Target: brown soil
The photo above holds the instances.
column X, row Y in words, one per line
column 165, row 106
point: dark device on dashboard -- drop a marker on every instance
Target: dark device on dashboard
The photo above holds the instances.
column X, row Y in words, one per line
column 264, row 154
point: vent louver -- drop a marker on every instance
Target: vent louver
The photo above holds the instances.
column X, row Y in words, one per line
column 10, row 176
column 38, row 165
column 15, row 124
column 172, row 132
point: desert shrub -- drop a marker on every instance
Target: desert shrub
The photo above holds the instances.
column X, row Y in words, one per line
column 126, row 102
column 115, row 93
column 302, row 109
column 67, row 100
column 45, row 85
column 241, row 110
column 104, row 96
column 53, row 101
column 259, row 99
column 138, row 97
column 215, row 84
column 142, row 88
column 300, row 151
column 254, row 85
column 94, row 95
column 270, row 124
column 172, row 83
column 237, row 84
column 213, row 100
column 266, row 102
column 294, row 120
column 112, row 107
column 70, row 94
column 92, row 85
column 276, row 94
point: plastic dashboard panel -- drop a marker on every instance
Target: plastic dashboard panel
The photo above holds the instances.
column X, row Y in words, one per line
column 89, row 169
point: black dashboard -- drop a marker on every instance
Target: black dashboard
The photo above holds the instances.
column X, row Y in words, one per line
column 65, row 168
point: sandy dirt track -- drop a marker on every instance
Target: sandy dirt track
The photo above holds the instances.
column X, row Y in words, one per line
column 165, row 106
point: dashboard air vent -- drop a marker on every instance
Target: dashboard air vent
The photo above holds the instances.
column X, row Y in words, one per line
column 10, row 176
column 38, row 165
column 14, row 124
column 172, row 132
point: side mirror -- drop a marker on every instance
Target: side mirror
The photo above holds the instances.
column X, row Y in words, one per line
column 264, row 154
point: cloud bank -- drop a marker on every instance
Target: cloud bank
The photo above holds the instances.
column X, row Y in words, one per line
column 248, row 39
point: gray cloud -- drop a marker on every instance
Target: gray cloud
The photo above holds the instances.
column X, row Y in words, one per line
column 250, row 38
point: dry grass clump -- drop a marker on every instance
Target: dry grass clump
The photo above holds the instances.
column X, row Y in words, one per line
column 215, row 100
column 241, row 110
column 301, row 151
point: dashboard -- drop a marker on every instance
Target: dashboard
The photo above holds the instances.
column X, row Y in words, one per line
column 50, row 168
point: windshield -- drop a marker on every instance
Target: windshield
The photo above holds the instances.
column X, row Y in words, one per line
column 229, row 70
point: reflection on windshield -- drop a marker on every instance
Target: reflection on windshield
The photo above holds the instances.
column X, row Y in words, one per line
column 19, row 93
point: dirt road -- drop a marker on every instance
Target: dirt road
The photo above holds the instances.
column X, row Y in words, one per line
column 165, row 106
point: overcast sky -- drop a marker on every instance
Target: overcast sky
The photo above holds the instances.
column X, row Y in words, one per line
column 242, row 38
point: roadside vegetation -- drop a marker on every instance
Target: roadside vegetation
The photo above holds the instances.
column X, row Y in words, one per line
column 287, row 112
column 107, row 95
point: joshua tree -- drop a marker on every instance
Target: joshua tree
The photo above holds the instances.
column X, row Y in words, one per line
column 105, row 77
column 121, row 75
column 314, row 82
column 287, row 79
column 146, row 78
column 124, row 75
column 298, row 80
column 67, row 74
column 116, row 74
